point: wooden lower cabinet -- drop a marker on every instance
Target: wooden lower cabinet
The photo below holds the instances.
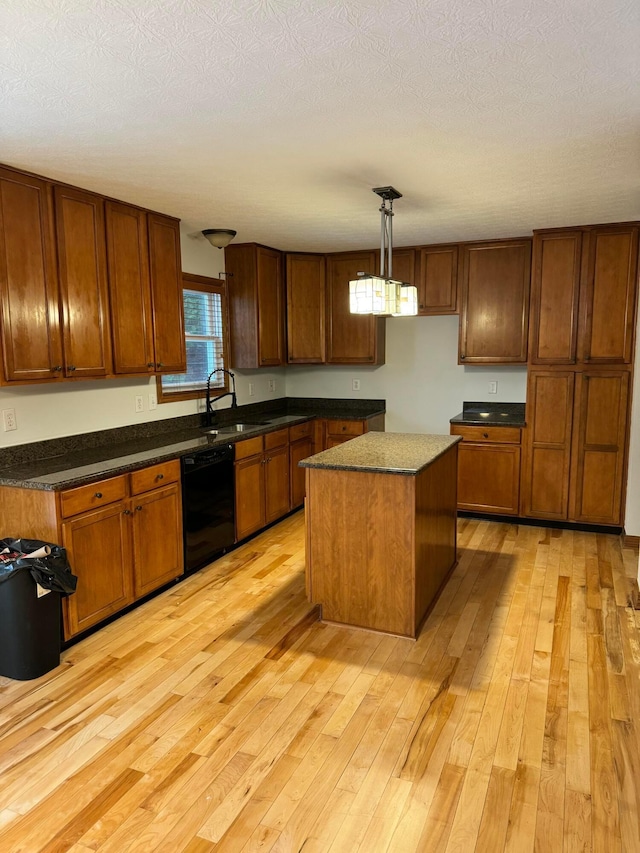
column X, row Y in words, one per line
column 575, row 445
column 157, row 539
column 262, row 482
column 488, row 469
column 98, row 546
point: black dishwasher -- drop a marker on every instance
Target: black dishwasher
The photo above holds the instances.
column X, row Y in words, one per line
column 207, row 505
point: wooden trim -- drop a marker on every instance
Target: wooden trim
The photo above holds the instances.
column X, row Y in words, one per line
column 630, row 541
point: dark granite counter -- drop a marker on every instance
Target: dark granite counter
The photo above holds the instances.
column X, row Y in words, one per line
column 72, row 461
column 491, row 414
column 384, row 453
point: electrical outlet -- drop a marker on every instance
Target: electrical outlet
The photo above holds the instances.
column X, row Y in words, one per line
column 252, row 389
column 272, row 385
column 493, row 387
column 355, row 384
column 9, row 419
column 139, row 403
column 153, row 400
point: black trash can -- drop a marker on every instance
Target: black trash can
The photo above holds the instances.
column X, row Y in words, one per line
column 29, row 628
column 33, row 577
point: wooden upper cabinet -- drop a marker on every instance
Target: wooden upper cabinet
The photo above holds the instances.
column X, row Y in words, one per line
column 305, row 276
column 555, row 289
column 438, row 282
column 165, row 268
column 82, row 265
column 30, row 322
column 128, row 261
column 495, row 302
column 256, row 305
column 609, row 285
column 351, row 338
column 599, row 441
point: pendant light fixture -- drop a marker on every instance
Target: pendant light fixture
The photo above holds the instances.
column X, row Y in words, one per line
column 382, row 295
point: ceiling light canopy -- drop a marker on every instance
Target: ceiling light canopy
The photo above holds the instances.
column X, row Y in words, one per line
column 383, row 295
column 219, row 237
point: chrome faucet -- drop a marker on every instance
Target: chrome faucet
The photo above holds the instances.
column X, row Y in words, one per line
column 209, row 412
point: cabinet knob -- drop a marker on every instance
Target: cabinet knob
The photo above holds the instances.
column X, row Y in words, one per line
column 485, row 435
column 138, row 508
column 159, row 364
column 127, row 512
column 151, row 364
column 344, row 428
column 71, row 368
column 98, row 494
column 159, row 476
column 56, row 368
column 462, row 356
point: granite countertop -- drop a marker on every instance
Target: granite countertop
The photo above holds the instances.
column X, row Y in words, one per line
column 491, row 414
column 384, row 452
column 63, row 463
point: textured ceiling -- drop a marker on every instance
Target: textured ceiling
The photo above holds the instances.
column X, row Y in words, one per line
column 277, row 117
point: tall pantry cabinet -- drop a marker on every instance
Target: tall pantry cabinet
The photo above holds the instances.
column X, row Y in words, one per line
column 583, row 308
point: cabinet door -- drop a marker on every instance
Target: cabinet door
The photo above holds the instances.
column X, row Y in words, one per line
column 599, row 439
column 298, row 451
column 351, row 338
column 82, row 264
column 547, row 451
column 157, row 539
column 555, row 287
column 250, row 515
column 166, row 294
column 608, row 295
column 495, row 302
column 99, row 550
column 30, row 323
column 305, row 309
column 276, row 486
column 130, row 295
column 270, row 307
column 438, row 287
column 489, row 477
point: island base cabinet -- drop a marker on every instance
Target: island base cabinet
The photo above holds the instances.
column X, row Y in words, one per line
column 98, row 547
column 380, row 546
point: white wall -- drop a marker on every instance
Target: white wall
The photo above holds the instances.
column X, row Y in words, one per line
column 68, row 408
column 422, row 382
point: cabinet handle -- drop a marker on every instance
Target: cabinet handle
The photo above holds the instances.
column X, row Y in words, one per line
column 462, row 356
column 485, row 435
column 127, row 512
column 138, row 508
column 159, row 364
column 71, row 367
column 98, row 494
column 151, row 364
column 344, row 428
column 56, row 368
column 159, row 476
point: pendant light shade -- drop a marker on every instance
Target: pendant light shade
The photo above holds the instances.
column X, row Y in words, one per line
column 382, row 295
column 219, row 237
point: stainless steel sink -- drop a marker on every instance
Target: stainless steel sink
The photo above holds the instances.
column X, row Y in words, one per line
column 231, row 428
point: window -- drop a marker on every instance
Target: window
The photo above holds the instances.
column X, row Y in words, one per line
column 205, row 329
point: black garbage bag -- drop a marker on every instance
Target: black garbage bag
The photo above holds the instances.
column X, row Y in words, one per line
column 46, row 561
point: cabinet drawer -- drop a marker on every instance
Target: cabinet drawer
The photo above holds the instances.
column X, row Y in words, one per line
column 280, row 438
column 249, row 447
column 345, row 427
column 93, row 496
column 155, row 476
column 495, row 435
column 300, row 431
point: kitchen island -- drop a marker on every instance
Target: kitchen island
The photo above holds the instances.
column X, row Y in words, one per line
column 381, row 529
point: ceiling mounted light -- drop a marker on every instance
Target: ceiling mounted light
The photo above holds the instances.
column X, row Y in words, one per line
column 383, row 295
column 219, row 237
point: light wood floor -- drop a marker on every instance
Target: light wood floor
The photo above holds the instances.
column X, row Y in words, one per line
column 221, row 717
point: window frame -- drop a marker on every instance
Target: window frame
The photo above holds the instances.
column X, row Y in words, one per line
column 205, row 285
